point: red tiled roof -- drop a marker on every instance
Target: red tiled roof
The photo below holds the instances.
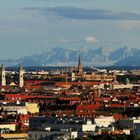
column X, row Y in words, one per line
column 102, row 99
column 79, row 83
column 116, row 105
column 88, row 107
column 107, row 99
column 70, row 99
column 118, row 116
column 19, row 96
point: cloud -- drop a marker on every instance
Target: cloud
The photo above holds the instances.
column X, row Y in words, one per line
column 90, row 39
column 63, row 40
column 86, row 14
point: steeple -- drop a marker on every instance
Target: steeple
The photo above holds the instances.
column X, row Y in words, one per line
column 21, row 67
column 80, row 67
column 79, row 61
column 3, row 67
column 21, row 79
column 3, row 79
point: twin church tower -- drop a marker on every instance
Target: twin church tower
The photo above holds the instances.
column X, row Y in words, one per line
column 21, row 73
column 3, row 76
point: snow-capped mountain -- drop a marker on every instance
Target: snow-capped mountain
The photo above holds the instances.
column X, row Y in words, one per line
column 94, row 57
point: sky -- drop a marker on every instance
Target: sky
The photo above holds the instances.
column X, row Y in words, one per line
column 32, row 26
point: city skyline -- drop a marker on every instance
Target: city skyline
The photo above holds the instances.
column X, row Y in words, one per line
column 28, row 27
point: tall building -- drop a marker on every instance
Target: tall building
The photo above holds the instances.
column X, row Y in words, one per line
column 3, row 79
column 80, row 67
column 21, row 79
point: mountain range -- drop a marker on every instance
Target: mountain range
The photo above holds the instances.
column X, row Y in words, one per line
column 89, row 57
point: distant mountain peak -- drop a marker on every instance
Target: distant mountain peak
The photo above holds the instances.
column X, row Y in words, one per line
column 102, row 56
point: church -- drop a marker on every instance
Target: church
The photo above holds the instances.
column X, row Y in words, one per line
column 3, row 76
column 93, row 76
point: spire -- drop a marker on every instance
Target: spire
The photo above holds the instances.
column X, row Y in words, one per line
column 79, row 61
column 80, row 67
column 3, row 67
column 21, row 67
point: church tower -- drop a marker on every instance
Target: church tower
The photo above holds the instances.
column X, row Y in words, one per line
column 3, row 79
column 21, row 80
column 80, row 67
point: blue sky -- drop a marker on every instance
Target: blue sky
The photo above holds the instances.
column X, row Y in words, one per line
column 32, row 26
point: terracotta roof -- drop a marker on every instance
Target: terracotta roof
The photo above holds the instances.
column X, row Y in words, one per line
column 88, row 107
column 79, row 83
column 102, row 99
column 19, row 96
column 118, row 116
column 116, row 105
column 70, row 98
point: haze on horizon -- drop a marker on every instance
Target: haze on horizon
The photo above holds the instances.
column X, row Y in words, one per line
column 31, row 26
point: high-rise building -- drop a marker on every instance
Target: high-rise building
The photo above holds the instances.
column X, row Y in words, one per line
column 3, row 74
column 80, row 67
column 21, row 78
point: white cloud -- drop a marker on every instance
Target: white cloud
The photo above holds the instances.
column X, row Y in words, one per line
column 63, row 40
column 91, row 39
column 88, row 39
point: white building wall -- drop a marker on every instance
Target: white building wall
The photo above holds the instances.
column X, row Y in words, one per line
column 122, row 86
column 74, row 135
column 103, row 121
column 88, row 127
column 18, row 109
column 11, row 127
column 127, row 131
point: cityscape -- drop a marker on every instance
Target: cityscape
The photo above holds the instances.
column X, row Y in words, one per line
column 69, row 70
column 69, row 103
